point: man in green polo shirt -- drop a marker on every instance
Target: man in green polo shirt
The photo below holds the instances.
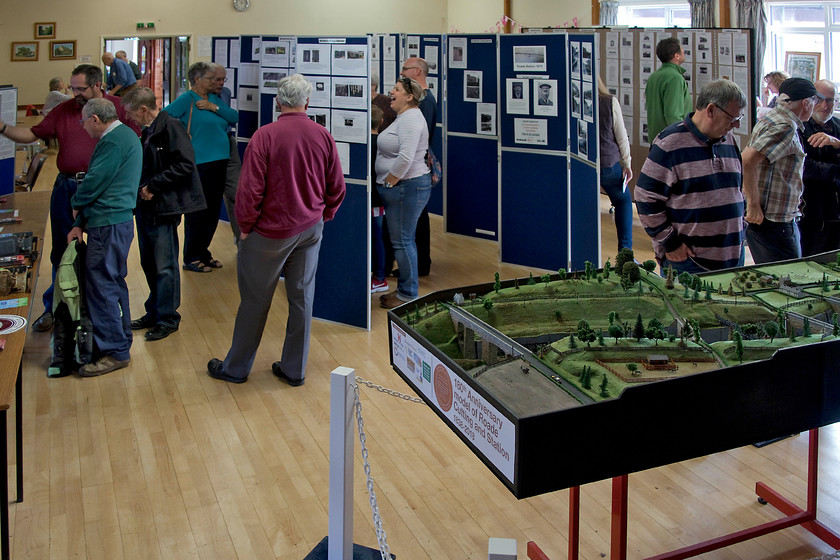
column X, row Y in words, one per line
column 667, row 97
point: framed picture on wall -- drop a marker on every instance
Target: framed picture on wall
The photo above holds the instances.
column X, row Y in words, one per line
column 45, row 30
column 62, row 50
column 25, row 51
column 803, row 65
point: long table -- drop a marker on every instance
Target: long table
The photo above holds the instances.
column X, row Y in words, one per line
column 33, row 210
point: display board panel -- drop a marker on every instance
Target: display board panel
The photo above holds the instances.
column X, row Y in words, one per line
column 8, row 112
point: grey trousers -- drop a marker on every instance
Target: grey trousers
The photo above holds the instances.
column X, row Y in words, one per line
column 234, row 166
column 260, row 263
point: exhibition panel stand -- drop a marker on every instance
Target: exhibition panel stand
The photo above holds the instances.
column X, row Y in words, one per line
column 470, row 161
column 8, row 112
column 431, row 49
column 277, row 58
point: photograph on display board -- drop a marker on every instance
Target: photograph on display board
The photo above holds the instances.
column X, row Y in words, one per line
column 374, row 48
column 575, row 87
column 588, row 102
column 431, row 58
column 349, row 93
column 389, row 47
column 314, row 59
column 321, row 88
column 486, row 118
column 545, row 98
column 574, row 64
column 703, row 50
column 350, row 60
column 685, row 43
column 625, row 98
column 612, row 44
column 529, row 58
column 803, row 65
column 626, row 48
column 740, row 48
column 412, row 46
column 586, row 61
column 626, row 73
column 724, row 49
column 350, row 126
column 458, row 52
column 611, row 73
column 472, row 85
column 583, row 139
column 517, row 95
column 433, row 86
column 275, row 53
column 319, row 115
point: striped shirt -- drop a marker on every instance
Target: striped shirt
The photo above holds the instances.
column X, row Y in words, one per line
column 689, row 192
column 780, row 175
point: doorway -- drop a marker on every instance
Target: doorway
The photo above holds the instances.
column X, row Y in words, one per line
column 163, row 63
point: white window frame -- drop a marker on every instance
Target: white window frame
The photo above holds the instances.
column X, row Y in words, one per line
column 668, row 7
column 774, row 58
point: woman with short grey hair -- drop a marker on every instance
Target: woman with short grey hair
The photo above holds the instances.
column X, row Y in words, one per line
column 293, row 91
column 206, row 119
column 59, row 92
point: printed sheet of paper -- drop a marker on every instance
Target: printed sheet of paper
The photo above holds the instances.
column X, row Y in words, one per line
column 517, row 96
column 458, row 52
column 530, row 131
column 473, row 80
column 431, row 58
column 349, row 93
column 350, row 126
column 276, row 53
column 321, row 89
column 314, row 59
column 350, row 60
column 486, row 119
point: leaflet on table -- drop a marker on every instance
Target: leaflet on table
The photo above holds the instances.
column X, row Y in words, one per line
column 350, row 126
column 349, row 93
column 481, row 423
column 530, row 131
column 350, row 60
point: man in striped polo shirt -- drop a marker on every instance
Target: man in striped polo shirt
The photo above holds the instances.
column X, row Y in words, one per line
column 773, row 162
column 689, row 191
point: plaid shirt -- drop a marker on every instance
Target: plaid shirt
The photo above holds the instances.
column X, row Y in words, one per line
column 780, row 175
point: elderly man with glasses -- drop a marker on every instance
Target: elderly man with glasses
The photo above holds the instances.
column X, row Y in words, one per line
column 689, row 190
column 819, row 227
column 74, row 153
column 773, row 162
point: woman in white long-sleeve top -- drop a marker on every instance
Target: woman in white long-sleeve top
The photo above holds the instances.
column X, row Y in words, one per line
column 403, row 181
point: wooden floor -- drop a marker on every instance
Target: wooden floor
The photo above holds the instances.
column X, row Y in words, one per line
column 159, row 461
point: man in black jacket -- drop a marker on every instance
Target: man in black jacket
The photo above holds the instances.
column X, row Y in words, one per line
column 819, row 226
column 169, row 187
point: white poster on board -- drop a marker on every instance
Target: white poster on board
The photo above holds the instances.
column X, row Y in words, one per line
column 529, row 58
column 626, row 47
column 389, row 47
column 321, row 88
column 350, row 126
column 574, row 60
column 350, row 60
column 433, row 86
column 612, row 44
column 349, row 93
column 249, row 99
column 625, row 98
column 412, row 46
column 431, row 58
column 611, row 73
column 574, row 89
column 545, row 98
column 703, row 47
column 458, row 52
column 485, row 116
column 530, row 131
column 588, row 102
column 249, row 74
column 343, row 149
column 473, row 85
column 740, row 48
column 724, row 41
column 314, row 59
column 685, row 40
column 270, row 79
column 319, row 115
column 275, row 53
column 220, row 53
column 517, row 96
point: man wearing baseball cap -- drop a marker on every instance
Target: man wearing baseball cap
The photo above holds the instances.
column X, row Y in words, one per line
column 773, row 161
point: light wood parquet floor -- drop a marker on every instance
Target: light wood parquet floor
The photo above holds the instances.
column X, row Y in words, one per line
column 159, row 461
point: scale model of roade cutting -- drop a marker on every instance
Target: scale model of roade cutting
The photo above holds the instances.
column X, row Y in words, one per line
column 622, row 368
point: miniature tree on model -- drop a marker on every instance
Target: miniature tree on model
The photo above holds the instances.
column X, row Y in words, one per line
column 587, row 270
column 616, row 331
column 546, row 278
column 630, row 274
column 639, row 329
column 649, row 266
column 632, row 368
column 561, row 273
column 655, row 331
column 835, row 330
column 586, row 377
column 600, row 337
column 739, row 345
column 625, row 255
column 604, row 392
column 695, row 328
column 806, row 327
column 772, row 329
column 488, row 304
column 585, row 332
column 531, row 280
column 572, row 341
column 607, row 269
column 497, row 284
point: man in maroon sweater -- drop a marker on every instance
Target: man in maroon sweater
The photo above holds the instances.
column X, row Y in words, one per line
column 74, row 153
column 291, row 183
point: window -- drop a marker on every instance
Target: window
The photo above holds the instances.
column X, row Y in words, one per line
column 655, row 14
column 803, row 27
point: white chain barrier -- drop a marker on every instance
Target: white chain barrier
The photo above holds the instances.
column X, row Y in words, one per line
column 381, row 538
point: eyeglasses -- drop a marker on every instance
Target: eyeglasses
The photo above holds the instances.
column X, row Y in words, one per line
column 80, row 89
column 404, row 68
column 730, row 115
column 82, row 122
column 208, row 77
column 223, row 80
column 830, row 101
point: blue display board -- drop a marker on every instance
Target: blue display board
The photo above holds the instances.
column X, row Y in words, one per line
column 431, row 50
column 277, row 58
column 248, row 92
column 470, row 164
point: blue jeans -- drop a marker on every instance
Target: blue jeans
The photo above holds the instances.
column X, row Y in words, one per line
column 774, row 241
column 377, row 259
column 612, row 181
column 61, row 222
column 403, row 204
column 157, row 239
column 107, row 293
column 690, row 266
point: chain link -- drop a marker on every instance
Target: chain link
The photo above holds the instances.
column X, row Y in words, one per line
column 387, row 391
column 377, row 520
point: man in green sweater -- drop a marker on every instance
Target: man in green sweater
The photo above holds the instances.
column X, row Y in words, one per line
column 103, row 207
column 667, row 97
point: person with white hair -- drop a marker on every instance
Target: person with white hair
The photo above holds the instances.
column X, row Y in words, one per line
column 59, row 93
column 291, row 183
column 773, row 161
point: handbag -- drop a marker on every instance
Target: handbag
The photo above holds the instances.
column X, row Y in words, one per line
column 434, row 167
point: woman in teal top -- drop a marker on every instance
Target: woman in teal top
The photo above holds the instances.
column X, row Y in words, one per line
column 206, row 118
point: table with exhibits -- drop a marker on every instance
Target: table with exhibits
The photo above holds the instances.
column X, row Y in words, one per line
column 32, row 209
column 714, row 362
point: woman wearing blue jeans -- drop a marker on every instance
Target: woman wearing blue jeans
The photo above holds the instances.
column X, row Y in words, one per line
column 404, row 184
column 616, row 172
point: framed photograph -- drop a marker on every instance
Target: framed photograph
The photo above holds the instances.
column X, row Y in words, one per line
column 803, row 65
column 25, row 51
column 62, row 50
column 45, row 30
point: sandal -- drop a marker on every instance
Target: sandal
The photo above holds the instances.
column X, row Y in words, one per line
column 197, row 266
column 213, row 263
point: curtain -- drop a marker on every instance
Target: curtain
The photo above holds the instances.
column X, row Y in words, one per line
column 702, row 13
column 609, row 12
column 751, row 15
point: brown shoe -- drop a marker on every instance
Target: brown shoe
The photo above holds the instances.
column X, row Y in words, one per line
column 391, row 301
column 105, row 364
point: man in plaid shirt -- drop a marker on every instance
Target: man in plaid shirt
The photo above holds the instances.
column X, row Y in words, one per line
column 773, row 162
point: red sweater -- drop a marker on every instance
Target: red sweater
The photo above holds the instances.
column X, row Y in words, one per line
column 291, row 178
